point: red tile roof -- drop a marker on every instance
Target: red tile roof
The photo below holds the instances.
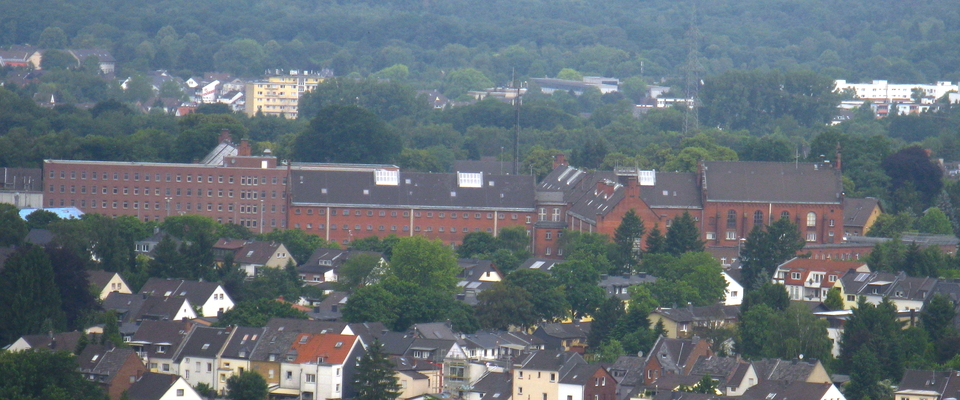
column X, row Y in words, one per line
column 333, row 348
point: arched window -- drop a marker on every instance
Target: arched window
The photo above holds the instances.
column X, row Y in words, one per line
column 731, row 219
column 758, row 217
column 811, row 219
column 785, row 215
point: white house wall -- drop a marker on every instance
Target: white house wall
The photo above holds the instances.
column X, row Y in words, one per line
column 188, row 392
column 217, row 301
column 568, row 391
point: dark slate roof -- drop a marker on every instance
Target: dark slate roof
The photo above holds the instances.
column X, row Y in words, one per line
column 723, row 369
column 159, row 308
column 628, row 370
column 434, row 330
column 99, row 360
column 542, row 264
column 414, row 189
column 256, row 252
column 203, row 342
column 151, row 386
column 244, row 339
column 580, row 374
column 54, row 341
column 439, row 348
column 946, row 383
column 786, row 390
column 673, row 353
column 21, row 179
column 494, row 386
column 588, row 202
column 895, row 286
column 99, row 279
column 667, row 395
column 776, row 369
column 127, row 305
column 161, row 332
column 396, row 343
column 772, row 182
column 857, row 211
column 368, row 331
column 713, row 312
column 610, row 283
column 566, row 329
column 474, row 269
column 103, row 55
column 330, row 309
column 39, row 237
column 197, row 292
column 281, row 333
column 549, row 360
column 673, row 190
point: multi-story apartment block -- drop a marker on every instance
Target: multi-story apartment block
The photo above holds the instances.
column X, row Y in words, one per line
column 279, row 95
column 889, row 92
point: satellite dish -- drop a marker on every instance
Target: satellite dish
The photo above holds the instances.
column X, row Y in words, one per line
column 640, row 354
column 801, row 356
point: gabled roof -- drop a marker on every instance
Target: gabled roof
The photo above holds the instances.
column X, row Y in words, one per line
column 856, row 212
column 673, row 190
column 203, row 342
column 396, row 343
column 673, row 354
column 99, row 360
column 945, row 383
column 474, row 269
column 99, row 278
column 628, row 370
column 198, row 292
column 257, row 252
column 772, row 182
column 787, row 390
column 724, row 369
column 229, row 244
column 713, row 312
column 281, row 332
column 167, row 333
column 127, row 304
column 580, row 374
column 540, row 264
column 151, row 386
column 54, row 341
column 244, row 340
column 494, row 386
column 549, row 360
column 895, row 286
column 420, row 189
column 777, row 369
column 806, row 266
column 331, row 348
column 104, row 56
column 39, row 237
column 566, row 330
column 434, row 330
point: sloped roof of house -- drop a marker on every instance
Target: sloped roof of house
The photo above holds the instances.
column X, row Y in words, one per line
column 894, row 286
column 783, row 370
column 229, row 244
column 772, row 182
column 580, row 374
column 944, row 383
column 856, row 212
column 198, row 292
column 474, row 269
column 99, row 278
column 169, row 333
column 203, row 342
column 494, row 386
column 257, row 252
column 549, row 360
column 151, row 386
column 673, row 354
column 540, row 264
column 100, row 360
column 488, row 167
column 104, row 56
column 787, row 390
column 332, row 348
column 713, row 312
column 566, row 330
column 424, row 190
column 630, row 370
column 281, row 332
column 434, row 330
column 54, row 341
column 244, row 340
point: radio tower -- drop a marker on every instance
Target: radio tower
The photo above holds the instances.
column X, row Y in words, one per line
column 692, row 70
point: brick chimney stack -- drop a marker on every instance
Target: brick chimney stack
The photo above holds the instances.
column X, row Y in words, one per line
column 224, row 136
column 559, row 160
column 244, row 149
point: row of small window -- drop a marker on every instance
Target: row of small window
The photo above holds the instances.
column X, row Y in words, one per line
column 393, row 228
column 814, row 277
column 732, row 235
column 243, row 208
column 542, row 214
column 244, row 194
column 549, row 251
column 417, row 214
column 244, row 180
column 758, row 218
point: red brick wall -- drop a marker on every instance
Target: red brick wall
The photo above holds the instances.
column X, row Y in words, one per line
column 227, row 194
column 121, row 381
column 601, row 386
column 360, row 222
column 829, row 219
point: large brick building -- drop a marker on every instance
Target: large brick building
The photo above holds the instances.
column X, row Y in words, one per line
column 726, row 198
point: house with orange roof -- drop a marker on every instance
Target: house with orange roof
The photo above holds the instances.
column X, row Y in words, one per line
column 808, row 279
column 320, row 366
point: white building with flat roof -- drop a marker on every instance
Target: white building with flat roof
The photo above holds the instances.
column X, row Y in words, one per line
column 884, row 90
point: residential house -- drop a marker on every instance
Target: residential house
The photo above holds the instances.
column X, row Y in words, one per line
column 278, row 95
column 791, row 370
column 114, row 369
column 235, row 357
column 537, row 375
column 683, row 322
column 323, row 264
column 275, row 342
column 106, row 282
column 540, row 264
column 133, row 308
column 928, row 385
column 107, row 63
column 255, row 255
column 484, row 346
column 417, row 377
column 156, row 342
column 564, row 336
column 859, row 215
column 587, row 382
column 808, row 279
column 908, row 293
column 733, row 292
column 148, row 245
column 734, row 375
column 154, row 386
column 476, row 276
column 199, row 354
column 793, row 390
column 208, row 296
column 53, row 341
column 628, row 372
column 492, row 386
column 321, row 366
column 330, row 308
column 673, row 357
column 618, row 285
column 39, row 237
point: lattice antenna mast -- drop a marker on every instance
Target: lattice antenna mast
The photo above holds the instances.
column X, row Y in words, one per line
column 692, row 70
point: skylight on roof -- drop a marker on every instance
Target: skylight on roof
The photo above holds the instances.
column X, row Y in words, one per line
column 205, row 346
column 338, row 345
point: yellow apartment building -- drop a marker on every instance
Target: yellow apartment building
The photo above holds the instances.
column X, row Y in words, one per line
column 279, row 95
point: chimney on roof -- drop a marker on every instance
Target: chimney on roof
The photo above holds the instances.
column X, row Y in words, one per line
column 224, row 136
column 244, row 149
column 559, row 160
